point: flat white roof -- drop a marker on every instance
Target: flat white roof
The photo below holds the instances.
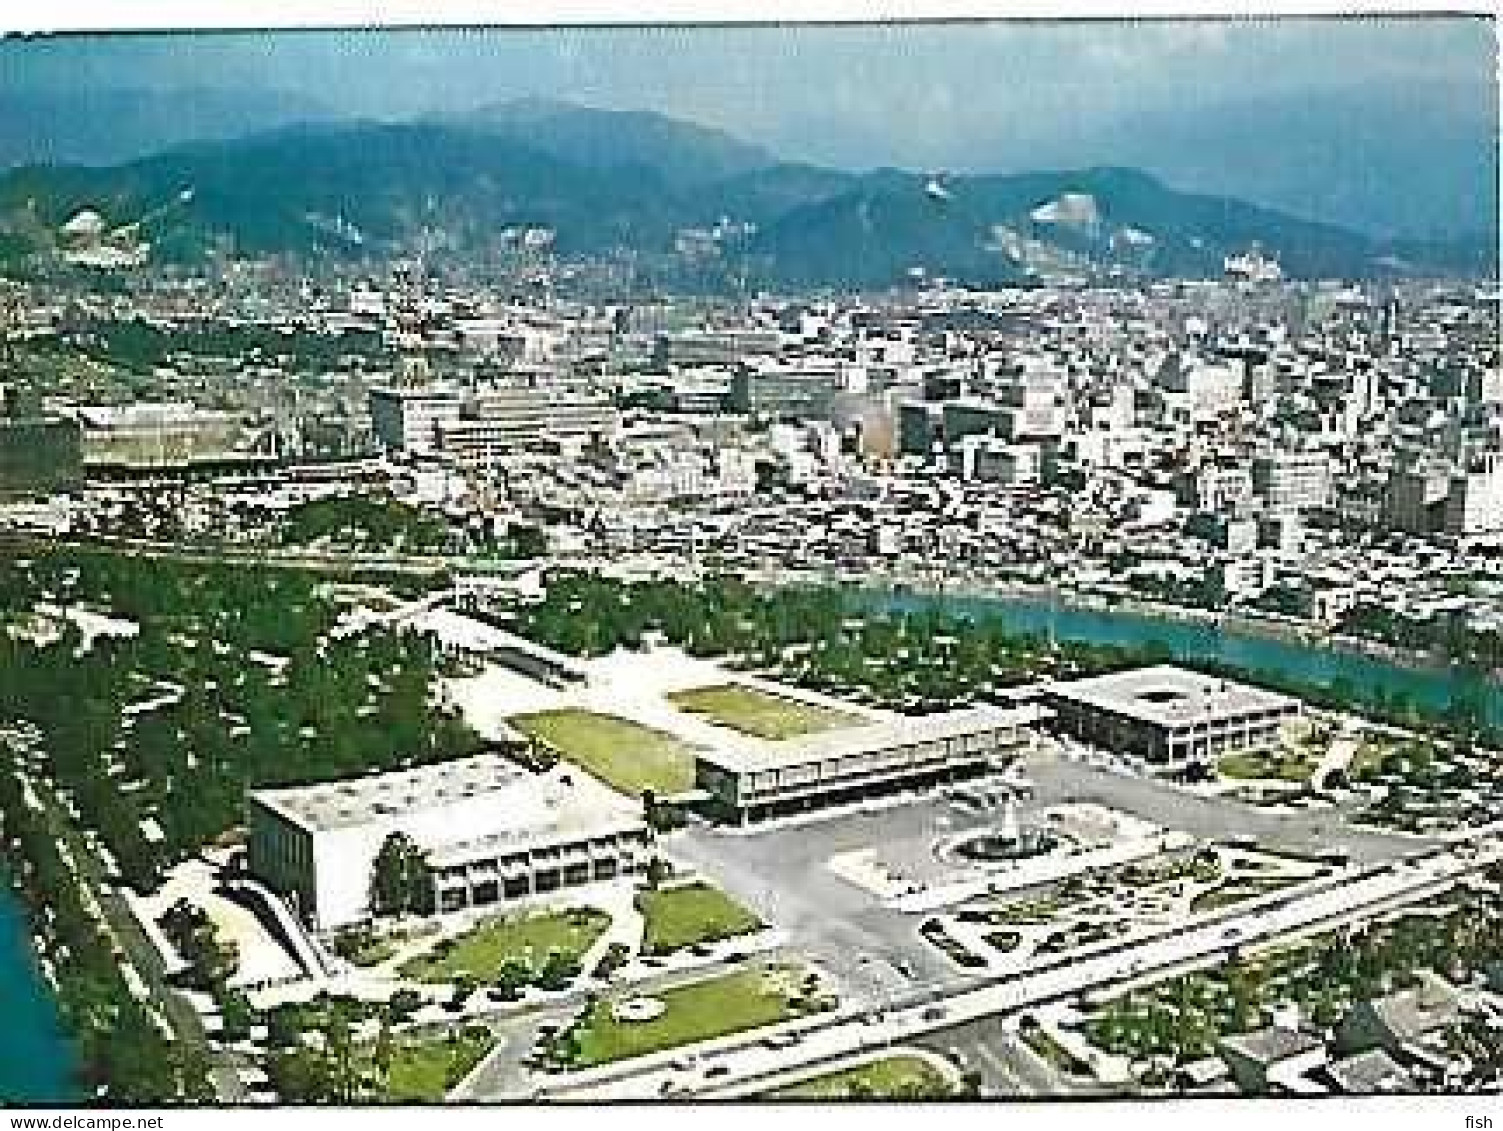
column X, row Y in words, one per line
column 1168, row 696
column 451, row 808
column 750, row 754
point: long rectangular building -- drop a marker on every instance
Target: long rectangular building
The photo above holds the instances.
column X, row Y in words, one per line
column 1169, row 715
column 752, row 779
column 489, row 832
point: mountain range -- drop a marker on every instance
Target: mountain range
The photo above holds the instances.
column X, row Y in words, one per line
column 609, row 181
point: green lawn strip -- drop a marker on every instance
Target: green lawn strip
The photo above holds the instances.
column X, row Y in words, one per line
column 426, row 1070
column 1277, row 767
column 1235, row 891
column 482, row 951
column 759, row 713
column 1367, row 758
column 374, row 953
column 1042, row 1043
column 625, row 755
column 890, row 1077
column 697, row 1011
column 678, row 917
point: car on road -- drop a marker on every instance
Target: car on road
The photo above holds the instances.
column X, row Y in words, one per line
column 685, row 1063
column 780, row 1041
column 717, row 1070
column 934, row 1013
column 1232, row 933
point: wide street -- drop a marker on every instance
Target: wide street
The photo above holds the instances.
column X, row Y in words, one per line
column 1059, row 780
column 737, row 1064
column 873, row 951
column 1007, row 1067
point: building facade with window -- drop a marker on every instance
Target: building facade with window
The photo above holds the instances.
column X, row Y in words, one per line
column 1170, row 716
column 489, row 831
column 751, row 780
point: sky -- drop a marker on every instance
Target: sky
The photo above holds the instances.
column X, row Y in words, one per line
column 855, row 97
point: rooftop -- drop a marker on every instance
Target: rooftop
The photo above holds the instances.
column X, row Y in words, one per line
column 1168, row 696
column 745, row 755
column 452, row 807
column 1271, row 1045
column 1370, row 1071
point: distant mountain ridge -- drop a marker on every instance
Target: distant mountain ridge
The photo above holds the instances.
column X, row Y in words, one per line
column 611, row 182
column 106, row 126
column 682, row 152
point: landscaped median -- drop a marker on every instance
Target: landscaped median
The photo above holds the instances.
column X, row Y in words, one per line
column 1284, row 765
column 760, row 714
column 674, row 918
column 627, row 756
column 425, row 1071
column 609, row 1029
column 904, row 1076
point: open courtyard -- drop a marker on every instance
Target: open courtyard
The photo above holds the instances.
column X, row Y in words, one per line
column 760, row 713
column 627, row 756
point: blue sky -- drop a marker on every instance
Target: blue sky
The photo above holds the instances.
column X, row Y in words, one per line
column 853, row 96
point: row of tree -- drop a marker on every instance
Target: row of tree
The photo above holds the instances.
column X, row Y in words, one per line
column 919, row 658
column 122, row 1057
column 248, row 691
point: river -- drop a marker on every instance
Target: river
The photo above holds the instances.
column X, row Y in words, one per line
column 1433, row 687
column 36, row 1058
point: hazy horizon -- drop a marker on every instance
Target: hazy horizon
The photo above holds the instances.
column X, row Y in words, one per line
column 962, row 96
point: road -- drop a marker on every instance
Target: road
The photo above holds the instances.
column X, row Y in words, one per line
column 138, row 954
column 1006, row 1066
column 502, row 1072
column 873, row 952
column 1318, row 905
column 870, row 952
column 1058, row 779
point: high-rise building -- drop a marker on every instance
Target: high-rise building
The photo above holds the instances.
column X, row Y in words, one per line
column 1474, row 502
column 1292, row 480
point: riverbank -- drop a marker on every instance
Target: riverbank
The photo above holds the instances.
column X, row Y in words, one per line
column 37, row 1059
column 1271, row 626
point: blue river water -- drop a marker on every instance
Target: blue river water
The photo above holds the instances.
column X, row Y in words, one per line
column 1433, row 687
column 36, row 1058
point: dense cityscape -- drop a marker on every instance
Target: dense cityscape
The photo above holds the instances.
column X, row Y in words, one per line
column 513, row 671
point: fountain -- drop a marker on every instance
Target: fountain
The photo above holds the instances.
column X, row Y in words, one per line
column 638, row 1010
column 1011, row 840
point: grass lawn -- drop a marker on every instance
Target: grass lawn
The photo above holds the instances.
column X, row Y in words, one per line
column 425, row 1071
column 1236, row 891
column 623, row 754
column 892, row 1076
column 1055, row 1053
column 1280, row 766
column 697, row 1011
column 680, row 917
column 758, row 713
column 374, row 952
column 1368, row 757
column 483, row 951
